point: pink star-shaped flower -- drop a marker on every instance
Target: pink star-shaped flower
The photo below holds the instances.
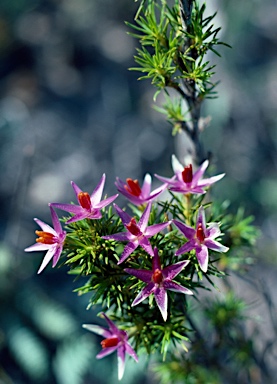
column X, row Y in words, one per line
column 159, row 281
column 136, row 194
column 185, row 181
column 50, row 239
column 200, row 239
column 137, row 233
column 115, row 339
column 89, row 205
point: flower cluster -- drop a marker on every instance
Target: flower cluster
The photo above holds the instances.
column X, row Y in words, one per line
column 137, row 234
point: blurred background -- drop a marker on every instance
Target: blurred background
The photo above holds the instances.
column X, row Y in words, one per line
column 71, row 110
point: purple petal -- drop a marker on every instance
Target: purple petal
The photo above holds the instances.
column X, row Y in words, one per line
column 146, row 291
column 210, row 180
column 121, row 236
column 111, row 324
column 105, row 202
column 173, row 270
column 215, row 245
column 192, row 244
column 38, row 247
column 145, row 244
column 155, row 228
column 131, row 352
column 106, row 351
column 57, row 255
column 213, row 231
column 47, row 258
column 201, row 219
column 142, row 224
column 187, row 231
column 200, row 172
column 72, row 208
column 175, row 287
column 79, row 216
column 203, row 257
column 98, row 330
column 96, row 195
column 125, row 218
column 161, row 300
column 121, row 361
column 45, row 227
column 56, row 222
column 76, row 189
column 146, row 186
column 156, row 263
column 141, row 274
column 166, row 180
column 129, row 248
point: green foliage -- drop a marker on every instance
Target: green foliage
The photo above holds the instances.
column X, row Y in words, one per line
column 173, row 54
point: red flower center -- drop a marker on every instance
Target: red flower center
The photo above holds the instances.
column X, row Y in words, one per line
column 110, row 342
column 45, row 237
column 200, row 233
column 187, row 174
column 157, row 276
column 133, row 228
column 133, row 187
column 84, row 200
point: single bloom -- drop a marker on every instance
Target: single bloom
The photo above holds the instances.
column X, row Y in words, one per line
column 89, row 205
column 159, row 281
column 186, row 181
column 114, row 339
column 136, row 194
column 201, row 239
column 137, row 233
column 50, row 240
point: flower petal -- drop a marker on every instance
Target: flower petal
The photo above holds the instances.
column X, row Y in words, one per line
column 192, row 244
column 146, row 186
column 79, row 216
column 96, row 195
column 173, row 270
column 175, row 287
column 125, row 218
column 187, row 231
column 142, row 274
column 215, row 245
column 76, row 189
column 210, row 180
column 111, row 324
column 47, row 258
column 176, row 165
column 72, row 208
column 142, row 224
column 105, row 202
column 145, row 244
column 98, row 330
column 57, row 255
column 129, row 248
column 144, row 293
column 55, row 220
column 120, row 236
column 106, row 351
column 121, row 361
column 201, row 219
column 155, row 228
column 203, row 257
column 200, row 172
column 156, row 263
column 161, row 300
column 213, row 230
column 131, row 351
column 45, row 227
column 38, row 247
